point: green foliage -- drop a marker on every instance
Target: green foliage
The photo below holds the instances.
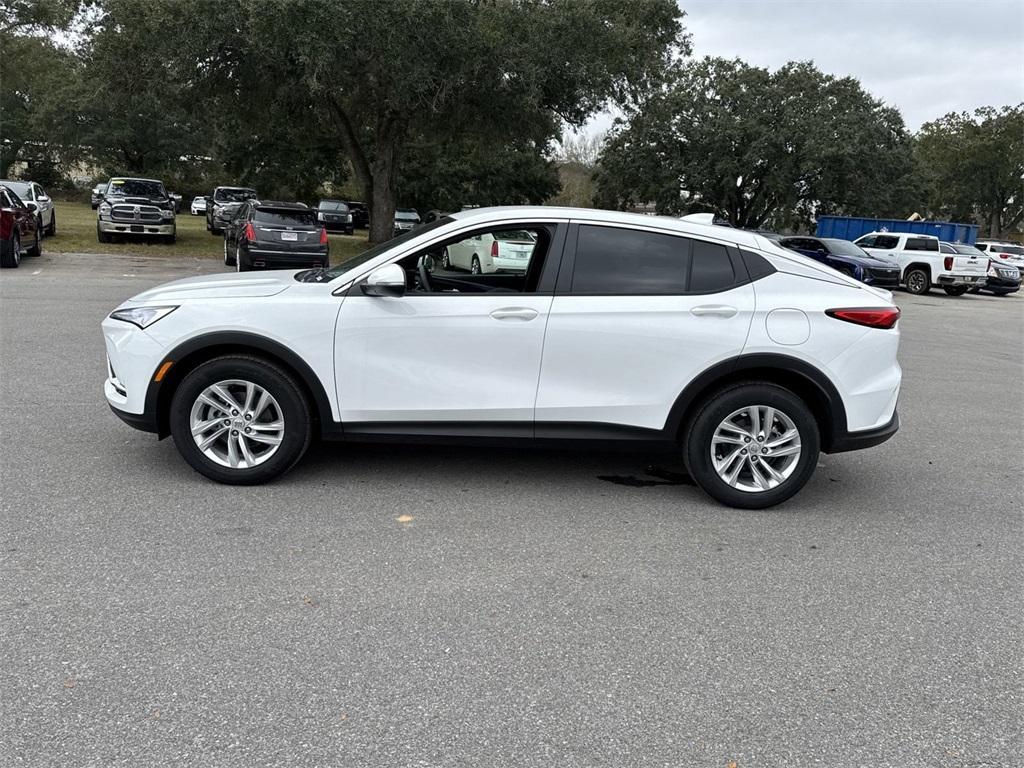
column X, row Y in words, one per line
column 973, row 166
column 756, row 146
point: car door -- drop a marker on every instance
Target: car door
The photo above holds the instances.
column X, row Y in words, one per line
column 636, row 316
column 461, row 360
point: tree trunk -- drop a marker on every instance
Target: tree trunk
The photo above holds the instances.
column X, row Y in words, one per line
column 384, row 176
column 994, row 224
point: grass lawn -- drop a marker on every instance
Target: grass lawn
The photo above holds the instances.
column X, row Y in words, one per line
column 76, row 233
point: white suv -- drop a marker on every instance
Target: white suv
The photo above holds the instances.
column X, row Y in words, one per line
column 746, row 357
column 923, row 265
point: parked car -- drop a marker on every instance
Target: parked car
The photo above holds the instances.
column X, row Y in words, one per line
column 1003, row 278
column 489, row 252
column 843, row 256
column 1008, row 253
column 38, row 201
column 198, row 205
column 136, row 208
column 269, row 234
column 360, row 214
column 176, row 198
column 405, row 220
column 19, row 229
column 922, row 265
column 96, row 195
column 335, row 216
column 223, row 204
column 623, row 328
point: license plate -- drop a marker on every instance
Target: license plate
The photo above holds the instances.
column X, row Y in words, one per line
column 291, row 237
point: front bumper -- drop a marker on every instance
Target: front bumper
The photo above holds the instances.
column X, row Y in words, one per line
column 144, row 422
column 338, row 226
column 866, row 438
column 1011, row 285
column 130, row 228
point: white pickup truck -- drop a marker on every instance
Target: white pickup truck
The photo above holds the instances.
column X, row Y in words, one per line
column 923, row 265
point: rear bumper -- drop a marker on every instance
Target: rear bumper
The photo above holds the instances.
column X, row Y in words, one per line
column 268, row 257
column 867, row 438
column 971, row 281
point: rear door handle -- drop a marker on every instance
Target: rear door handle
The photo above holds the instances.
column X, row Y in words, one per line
column 514, row 313
column 714, row 310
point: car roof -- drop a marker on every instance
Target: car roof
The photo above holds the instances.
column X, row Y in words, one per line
column 133, row 178
column 898, row 234
column 598, row 216
column 281, row 204
column 245, row 189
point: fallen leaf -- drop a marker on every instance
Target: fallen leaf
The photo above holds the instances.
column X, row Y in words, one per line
column 731, row 764
column 308, row 600
column 405, row 518
column 70, row 683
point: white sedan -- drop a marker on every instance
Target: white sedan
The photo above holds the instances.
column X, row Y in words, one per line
column 745, row 358
column 198, row 205
column 490, row 252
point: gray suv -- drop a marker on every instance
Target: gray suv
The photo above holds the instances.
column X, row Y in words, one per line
column 222, row 206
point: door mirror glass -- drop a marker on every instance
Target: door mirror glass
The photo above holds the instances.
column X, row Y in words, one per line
column 32, row 206
column 388, row 280
column 44, row 199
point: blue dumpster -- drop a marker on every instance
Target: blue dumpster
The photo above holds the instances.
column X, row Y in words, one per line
column 850, row 228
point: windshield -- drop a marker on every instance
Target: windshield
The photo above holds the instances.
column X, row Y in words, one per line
column 332, row 205
column 844, row 248
column 285, row 218
column 233, row 194
column 407, row 216
column 967, row 250
column 135, row 188
column 371, row 253
column 20, row 188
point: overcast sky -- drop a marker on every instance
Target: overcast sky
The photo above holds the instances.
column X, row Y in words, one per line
column 925, row 57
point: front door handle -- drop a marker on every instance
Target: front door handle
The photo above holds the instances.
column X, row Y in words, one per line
column 514, row 313
column 714, row 310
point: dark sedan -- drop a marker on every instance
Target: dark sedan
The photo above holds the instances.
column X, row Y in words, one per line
column 269, row 234
column 335, row 216
column 845, row 257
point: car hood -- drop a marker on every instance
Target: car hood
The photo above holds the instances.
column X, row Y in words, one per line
column 864, row 261
column 232, row 285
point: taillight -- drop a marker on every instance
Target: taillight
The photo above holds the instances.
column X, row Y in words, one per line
column 323, row 235
column 1003, row 255
column 250, row 233
column 948, row 263
column 872, row 317
column 494, row 249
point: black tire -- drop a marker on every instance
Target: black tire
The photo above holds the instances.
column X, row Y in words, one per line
column 278, row 382
column 956, row 290
column 171, row 239
column 474, row 267
column 52, row 229
column 917, row 281
column 10, row 253
column 36, row 249
column 229, row 261
column 711, row 413
column 240, row 263
column 39, row 225
column 103, row 237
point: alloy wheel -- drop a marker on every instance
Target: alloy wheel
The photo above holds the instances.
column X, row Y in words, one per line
column 755, row 449
column 237, row 424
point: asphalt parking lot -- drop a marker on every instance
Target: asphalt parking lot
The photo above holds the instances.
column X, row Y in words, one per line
column 423, row 606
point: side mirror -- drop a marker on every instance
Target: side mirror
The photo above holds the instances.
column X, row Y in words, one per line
column 31, row 206
column 44, row 198
column 388, row 280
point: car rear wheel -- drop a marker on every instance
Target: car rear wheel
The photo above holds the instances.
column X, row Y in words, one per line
column 474, row 266
column 752, row 445
column 229, row 261
column 240, row 264
column 240, row 420
column 918, row 282
column 10, row 253
column 35, row 250
column 52, row 231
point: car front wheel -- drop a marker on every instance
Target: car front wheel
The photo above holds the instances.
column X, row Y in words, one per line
column 240, row 420
column 918, row 282
column 752, row 445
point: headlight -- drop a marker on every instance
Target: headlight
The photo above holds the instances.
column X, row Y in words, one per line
column 319, row 217
column 142, row 316
column 104, row 210
column 167, row 214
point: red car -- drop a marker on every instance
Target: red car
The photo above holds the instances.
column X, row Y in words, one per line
column 19, row 229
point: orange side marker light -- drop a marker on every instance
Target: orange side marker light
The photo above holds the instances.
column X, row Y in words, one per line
column 163, row 370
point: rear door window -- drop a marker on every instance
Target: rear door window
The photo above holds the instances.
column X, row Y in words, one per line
column 921, row 244
column 629, row 262
column 285, row 218
column 711, row 269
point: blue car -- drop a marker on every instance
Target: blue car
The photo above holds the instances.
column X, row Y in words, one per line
column 845, row 257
